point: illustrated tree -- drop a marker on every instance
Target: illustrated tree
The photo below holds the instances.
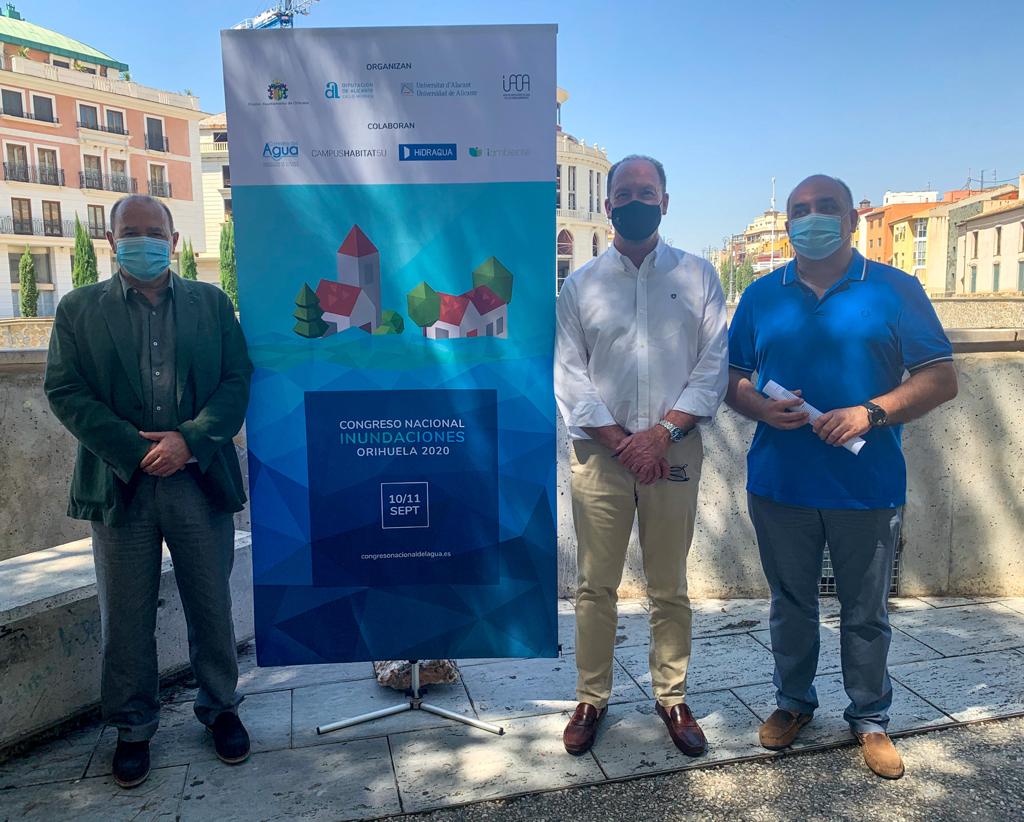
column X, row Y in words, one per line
column 28, row 294
column 228, row 267
column 84, row 270
column 308, row 313
column 187, row 262
column 424, row 305
column 391, row 322
column 496, row 277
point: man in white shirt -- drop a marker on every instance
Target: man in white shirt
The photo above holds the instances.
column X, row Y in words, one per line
column 641, row 358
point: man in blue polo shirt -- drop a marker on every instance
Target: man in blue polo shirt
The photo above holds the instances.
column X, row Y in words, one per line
column 841, row 332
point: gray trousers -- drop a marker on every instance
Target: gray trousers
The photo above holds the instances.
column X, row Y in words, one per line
column 862, row 545
column 201, row 541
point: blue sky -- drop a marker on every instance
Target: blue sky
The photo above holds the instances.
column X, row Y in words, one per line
column 888, row 95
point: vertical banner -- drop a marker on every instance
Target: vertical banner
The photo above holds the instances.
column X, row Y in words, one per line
column 393, row 197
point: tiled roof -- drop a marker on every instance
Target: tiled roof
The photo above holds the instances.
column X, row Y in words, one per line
column 484, row 299
column 337, row 298
column 357, row 244
column 453, row 308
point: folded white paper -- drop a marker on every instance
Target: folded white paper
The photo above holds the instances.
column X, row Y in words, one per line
column 777, row 392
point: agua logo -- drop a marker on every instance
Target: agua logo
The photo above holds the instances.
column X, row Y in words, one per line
column 280, row 151
column 515, row 86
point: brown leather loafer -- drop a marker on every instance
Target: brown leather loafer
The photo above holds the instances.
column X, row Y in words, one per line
column 683, row 728
column 881, row 755
column 581, row 731
column 781, row 728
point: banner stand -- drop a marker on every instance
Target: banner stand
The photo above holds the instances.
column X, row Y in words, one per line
column 415, row 703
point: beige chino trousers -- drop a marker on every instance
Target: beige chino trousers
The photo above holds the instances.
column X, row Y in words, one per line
column 605, row 500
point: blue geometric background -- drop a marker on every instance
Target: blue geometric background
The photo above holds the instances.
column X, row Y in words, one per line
column 289, row 235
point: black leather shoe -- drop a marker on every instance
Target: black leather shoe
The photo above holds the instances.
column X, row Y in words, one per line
column 230, row 738
column 131, row 763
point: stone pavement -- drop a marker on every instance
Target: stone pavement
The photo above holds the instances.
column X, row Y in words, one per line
column 952, row 661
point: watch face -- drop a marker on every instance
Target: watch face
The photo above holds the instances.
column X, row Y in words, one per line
column 878, row 416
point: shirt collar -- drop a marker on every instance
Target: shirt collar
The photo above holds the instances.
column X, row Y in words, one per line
column 127, row 289
column 654, row 256
column 856, row 271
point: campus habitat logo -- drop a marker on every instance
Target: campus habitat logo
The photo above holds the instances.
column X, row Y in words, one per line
column 515, row 86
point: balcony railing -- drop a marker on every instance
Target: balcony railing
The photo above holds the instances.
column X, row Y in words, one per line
column 44, row 175
column 156, row 143
column 28, row 115
column 158, row 189
column 581, row 214
column 37, row 227
column 106, row 129
column 121, row 183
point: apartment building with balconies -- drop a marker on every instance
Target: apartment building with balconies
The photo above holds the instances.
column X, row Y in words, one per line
column 76, row 135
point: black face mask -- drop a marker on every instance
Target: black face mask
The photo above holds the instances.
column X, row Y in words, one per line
column 636, row 221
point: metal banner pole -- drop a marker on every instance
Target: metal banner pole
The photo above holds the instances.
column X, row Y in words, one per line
column 415, row 703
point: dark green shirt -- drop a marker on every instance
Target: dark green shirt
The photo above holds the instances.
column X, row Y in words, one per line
column 155, row 339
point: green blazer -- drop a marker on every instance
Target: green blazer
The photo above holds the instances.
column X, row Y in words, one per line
column 94, row 388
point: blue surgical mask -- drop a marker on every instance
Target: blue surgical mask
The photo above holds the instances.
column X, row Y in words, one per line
column 144, row 258
column 816, row 236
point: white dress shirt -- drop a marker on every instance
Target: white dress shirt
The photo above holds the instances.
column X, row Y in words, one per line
column 633, row 344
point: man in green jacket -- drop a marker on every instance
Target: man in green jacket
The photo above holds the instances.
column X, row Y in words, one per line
column 151, row 375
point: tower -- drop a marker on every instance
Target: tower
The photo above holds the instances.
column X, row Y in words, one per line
column 359, row 265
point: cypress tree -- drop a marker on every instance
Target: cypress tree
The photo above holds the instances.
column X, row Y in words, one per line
column 187, row 262
column 28, row 294
column 228, row 267
column 84, row 271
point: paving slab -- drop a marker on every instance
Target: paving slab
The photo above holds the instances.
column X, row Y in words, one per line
column 633, row 739
column 978, row 686
column 347, row 780
column 181, row 738
column 1014, row 603
column 59, row 759
column 716, row 663
column 97, row 800
column 530, row 687
column 956, row 602
column 322, row 704
column 446, row 767
column 968, row 629
column 903, row 648
column 908, row 711
column 728, row 616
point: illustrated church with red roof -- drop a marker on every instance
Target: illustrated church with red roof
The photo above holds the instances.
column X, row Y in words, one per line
column 354, row 299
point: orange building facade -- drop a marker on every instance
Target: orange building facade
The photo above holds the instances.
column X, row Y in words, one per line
column 75, row 137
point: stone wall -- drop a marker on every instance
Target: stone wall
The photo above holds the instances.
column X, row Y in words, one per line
column 964, row 531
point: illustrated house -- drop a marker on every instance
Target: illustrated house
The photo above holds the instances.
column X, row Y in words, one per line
column 477, row 313
column 353, row 301
column 346, row 306
column 359, row 266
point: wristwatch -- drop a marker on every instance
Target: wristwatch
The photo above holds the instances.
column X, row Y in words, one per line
column 674, row 431
column 876, row 414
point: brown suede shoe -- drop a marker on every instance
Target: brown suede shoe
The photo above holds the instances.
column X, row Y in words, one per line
column 781, row 728
column 581, row 731
column 683, row 728
column 881, row 755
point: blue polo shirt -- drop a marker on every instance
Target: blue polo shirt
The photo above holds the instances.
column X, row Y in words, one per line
column 852, row 345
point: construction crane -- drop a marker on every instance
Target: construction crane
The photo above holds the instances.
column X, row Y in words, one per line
column 281, row 16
